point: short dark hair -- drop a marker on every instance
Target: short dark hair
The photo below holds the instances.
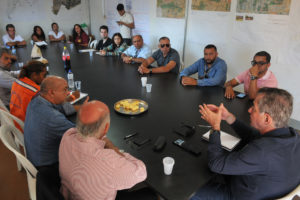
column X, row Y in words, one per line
column 3, row 51
column 9, row 26
column 265, row 54
column 211, row 46
column 31, row 67
column 120, row 7
column 104, row 27
column 163, row 38
column 278, row 103
column 53, row 24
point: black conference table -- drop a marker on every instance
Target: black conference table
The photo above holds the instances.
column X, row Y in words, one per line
column 109, row 80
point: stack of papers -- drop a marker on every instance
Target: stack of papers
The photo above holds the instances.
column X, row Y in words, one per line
column 82, row 95
column 41, row 43
column 228, row 141
column 86, row 50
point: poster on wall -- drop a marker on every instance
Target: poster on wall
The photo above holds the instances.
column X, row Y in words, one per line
column 211, row 5
column 278, row 7
column 170, row 8
column 140, row 12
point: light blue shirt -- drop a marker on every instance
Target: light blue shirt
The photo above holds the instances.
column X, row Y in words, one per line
column 144, row 52
column 216, row 75
column 45, row 124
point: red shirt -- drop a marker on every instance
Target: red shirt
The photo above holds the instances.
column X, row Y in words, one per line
column 82, row 39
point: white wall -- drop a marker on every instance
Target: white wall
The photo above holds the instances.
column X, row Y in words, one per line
column 39, row 12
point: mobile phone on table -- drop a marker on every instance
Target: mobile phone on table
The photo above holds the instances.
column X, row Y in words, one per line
column 241, row 95
column 188, row 147
column 141, row 141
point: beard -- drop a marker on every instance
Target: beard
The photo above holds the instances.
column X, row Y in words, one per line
column 209, row 61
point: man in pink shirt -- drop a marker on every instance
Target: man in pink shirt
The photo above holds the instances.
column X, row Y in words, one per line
column 90, row 166
column 258, row 76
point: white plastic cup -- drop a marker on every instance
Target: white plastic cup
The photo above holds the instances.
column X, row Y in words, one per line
column 168, row 165
column 78, row 85
column 71, row 46
column 20, row 64
column 144, row 81
column 148, row 87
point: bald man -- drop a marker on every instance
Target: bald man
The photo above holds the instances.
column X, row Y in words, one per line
column 46, row 122
column 87, row 157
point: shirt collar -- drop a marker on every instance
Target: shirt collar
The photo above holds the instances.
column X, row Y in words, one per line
column 281, row 132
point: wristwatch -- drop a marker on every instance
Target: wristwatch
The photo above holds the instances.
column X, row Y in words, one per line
column 130, row 58
column 253, row 77
column 150, row 71
column 213, row 130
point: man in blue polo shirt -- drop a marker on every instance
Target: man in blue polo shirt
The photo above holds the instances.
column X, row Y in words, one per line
column 137, row 52
column 167, row 59
column 211, row 69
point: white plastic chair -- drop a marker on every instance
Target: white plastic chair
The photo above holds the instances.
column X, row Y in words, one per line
column 31, row 171
column 292, row 194
column 93, row 44
column 7, row 119
column 90, row 40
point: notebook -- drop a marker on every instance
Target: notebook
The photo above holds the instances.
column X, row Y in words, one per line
column 82, row 95
column 228, row 141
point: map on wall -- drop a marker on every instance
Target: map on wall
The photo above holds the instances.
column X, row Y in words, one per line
column 211, row 5
column 279, row 7
column 170, row 8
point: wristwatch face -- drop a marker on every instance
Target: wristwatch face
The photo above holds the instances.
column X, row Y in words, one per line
column 252, row 77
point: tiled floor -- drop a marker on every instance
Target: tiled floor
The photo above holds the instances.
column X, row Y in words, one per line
column 13, row 184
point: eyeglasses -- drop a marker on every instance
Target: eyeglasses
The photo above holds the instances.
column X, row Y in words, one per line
column 253, row 62
column 163, row 45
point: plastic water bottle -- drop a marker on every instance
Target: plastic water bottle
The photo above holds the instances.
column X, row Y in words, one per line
column 66, row 59
column 71, row 80
column 13, row 50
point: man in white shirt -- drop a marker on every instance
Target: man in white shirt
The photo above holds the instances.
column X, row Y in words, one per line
column 55, row 35
column 11, row 39
column 7, row 77
column 126, row 24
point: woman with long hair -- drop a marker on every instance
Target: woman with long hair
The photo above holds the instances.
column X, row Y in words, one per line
column 79, row 36
column 38, row 34
column 116, row 48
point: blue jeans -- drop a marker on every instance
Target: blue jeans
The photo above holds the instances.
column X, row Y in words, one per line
column 213, row 190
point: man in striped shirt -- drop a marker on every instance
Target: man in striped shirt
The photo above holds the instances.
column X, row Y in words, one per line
column 90, row 166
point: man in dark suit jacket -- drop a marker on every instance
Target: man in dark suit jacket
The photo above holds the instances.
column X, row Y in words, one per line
column 106, row 41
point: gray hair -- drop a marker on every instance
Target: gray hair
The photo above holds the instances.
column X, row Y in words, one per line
column 89, row 129
column 278, row 103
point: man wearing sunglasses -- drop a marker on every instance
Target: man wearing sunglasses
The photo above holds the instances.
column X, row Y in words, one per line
column 211, row 69
column 256, row 77
column 167, row 59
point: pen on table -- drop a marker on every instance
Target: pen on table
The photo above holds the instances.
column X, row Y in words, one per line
column 130, row 136
column 204, row 126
